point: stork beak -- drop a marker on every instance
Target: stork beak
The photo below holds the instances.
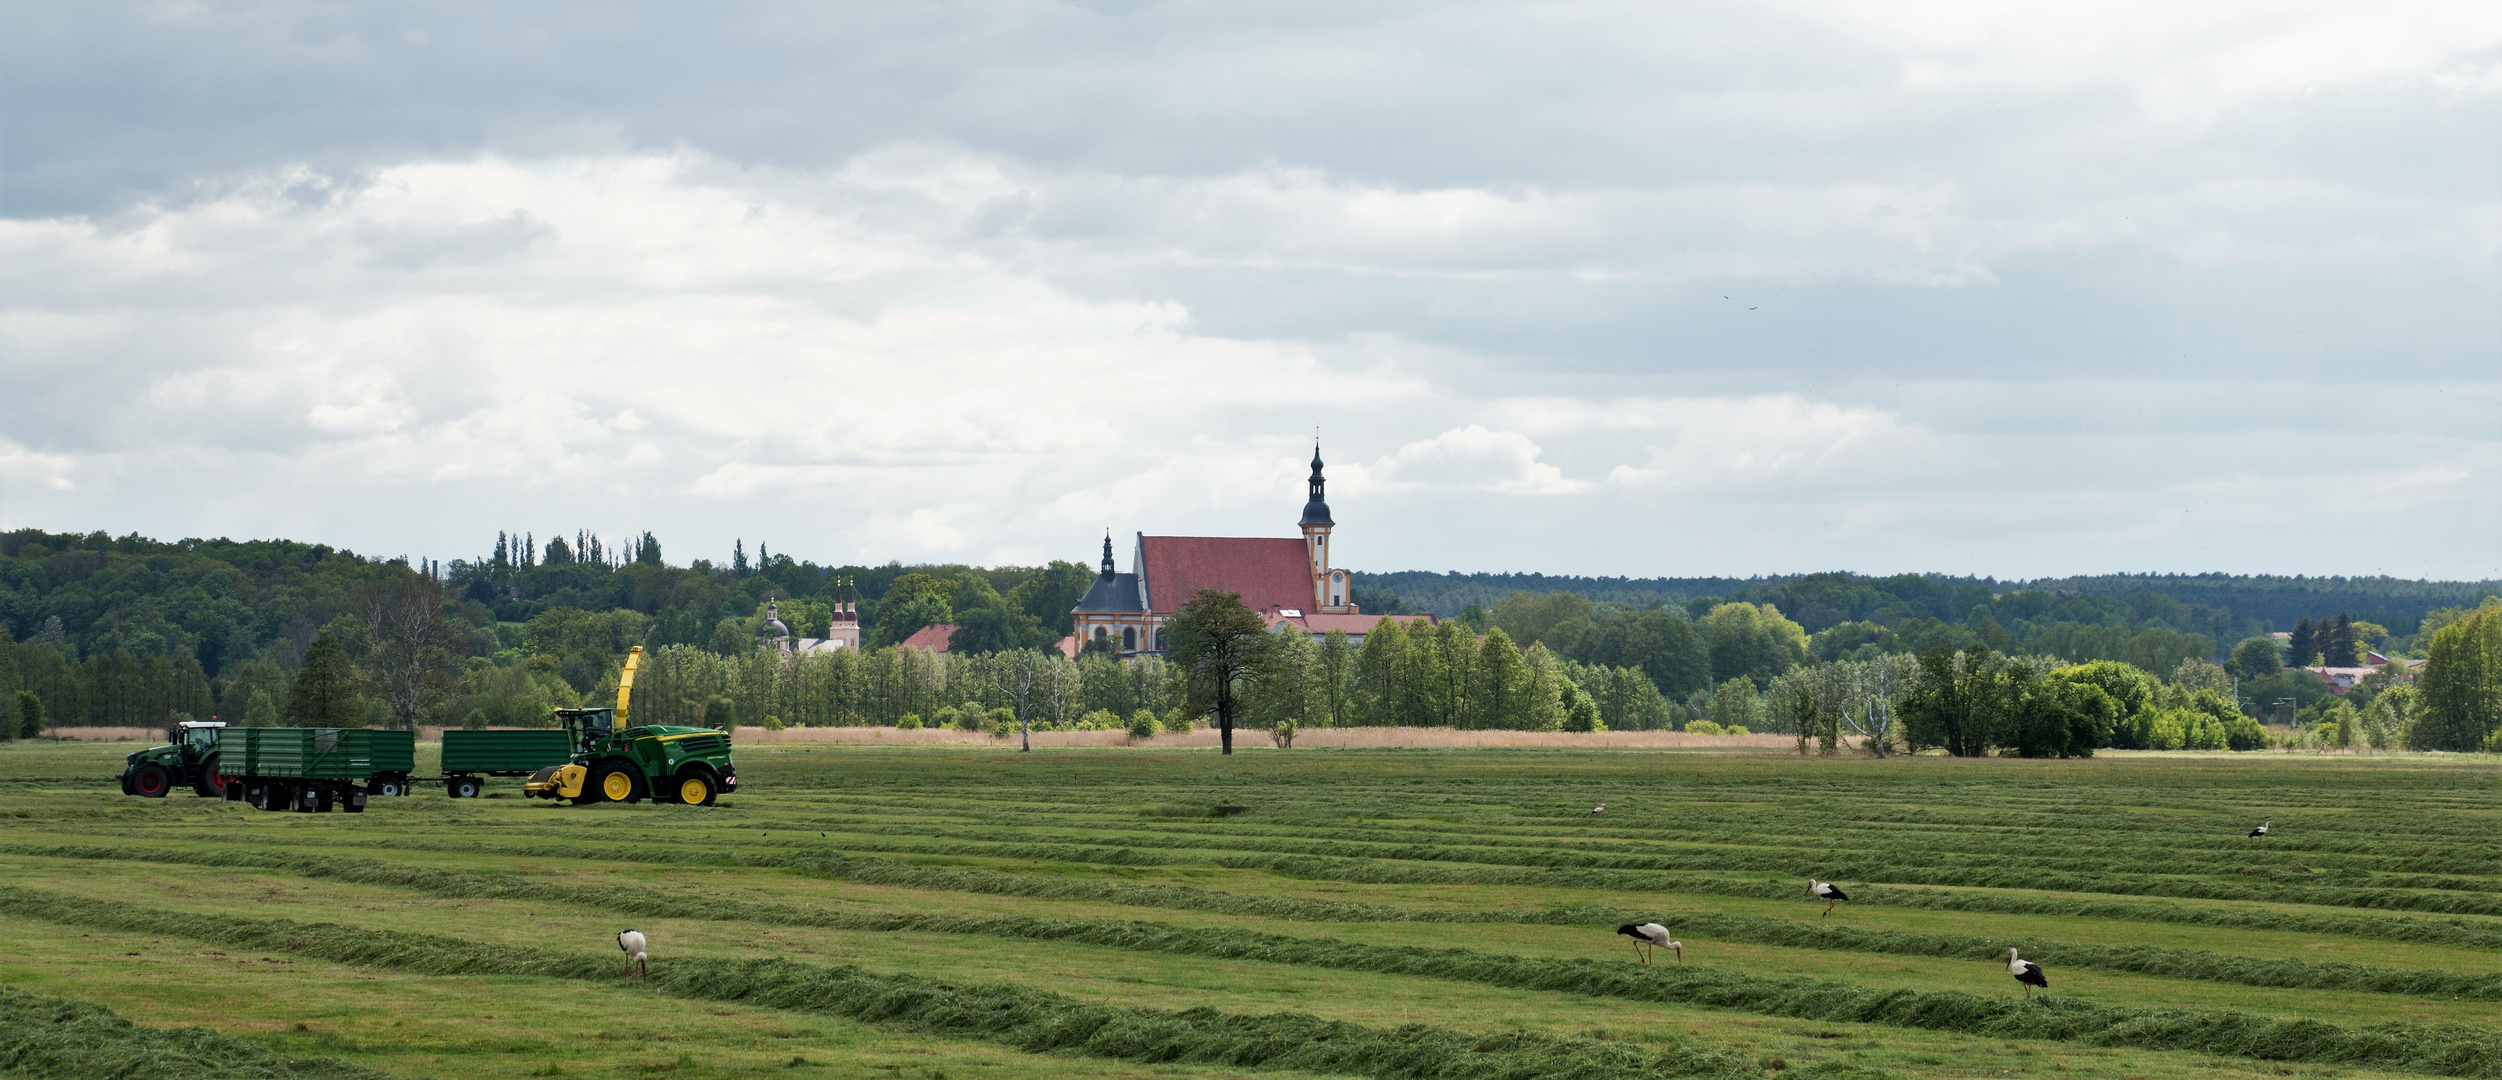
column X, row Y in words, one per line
column 1680, row 954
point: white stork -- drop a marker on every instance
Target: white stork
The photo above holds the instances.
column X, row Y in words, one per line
column 1650, row 936
column 1827, row 892
column 2026, row 972
column 1599, row 809
column 637, row 958
column 2260, row 833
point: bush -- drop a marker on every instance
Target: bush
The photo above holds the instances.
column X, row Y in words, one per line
column 1178, row 723
column 945, row 717
column 1002, row 723
column 910, row 722
column 1704, row 727
column 970, row 717
column 1100, row 720
column 1284, row 733
column 773, row 723
column 1142, row 725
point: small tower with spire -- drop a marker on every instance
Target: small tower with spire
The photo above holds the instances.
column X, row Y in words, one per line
column 1330, row 588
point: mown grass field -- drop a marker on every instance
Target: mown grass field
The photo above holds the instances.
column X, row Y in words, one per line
column 919, row 912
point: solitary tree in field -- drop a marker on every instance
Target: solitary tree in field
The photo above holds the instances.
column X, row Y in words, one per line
column 1222, row 647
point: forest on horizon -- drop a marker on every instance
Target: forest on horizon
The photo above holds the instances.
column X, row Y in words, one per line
column 128, row 630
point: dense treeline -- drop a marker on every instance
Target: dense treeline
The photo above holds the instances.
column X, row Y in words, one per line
column 131, row 632
column 2273, row 602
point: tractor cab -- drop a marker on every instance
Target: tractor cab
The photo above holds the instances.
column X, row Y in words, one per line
column 587, row 728
column 197, row 736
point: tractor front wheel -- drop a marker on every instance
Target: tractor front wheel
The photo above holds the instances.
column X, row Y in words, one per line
column 151, row 781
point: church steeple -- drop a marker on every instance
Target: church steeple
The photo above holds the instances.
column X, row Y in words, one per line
column 1316, row 509
column 1107, row 554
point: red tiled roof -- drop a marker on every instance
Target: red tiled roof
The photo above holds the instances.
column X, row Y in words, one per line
column 1269, row 573
column 932, row 637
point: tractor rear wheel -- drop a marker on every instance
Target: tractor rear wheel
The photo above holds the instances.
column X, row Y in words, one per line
column 151, row 781
column 696, row 789
column 210, row 785
column 616, row 780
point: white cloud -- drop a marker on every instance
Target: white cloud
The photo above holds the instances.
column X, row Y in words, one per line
column 1467, row 458
column 1778, row 440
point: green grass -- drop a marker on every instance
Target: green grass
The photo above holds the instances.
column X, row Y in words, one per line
column 1376, row 913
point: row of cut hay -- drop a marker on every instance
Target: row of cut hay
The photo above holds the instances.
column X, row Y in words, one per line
column 1445, row 865
column 1024, row 1017
column 1630, row 832
column 67, row 1039
column 1348, row 738
column 2190, row 964
column 1899, row 864
column 1031, row 1020
column 873, row 871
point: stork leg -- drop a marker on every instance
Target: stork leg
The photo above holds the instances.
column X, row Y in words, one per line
column 1828, row 908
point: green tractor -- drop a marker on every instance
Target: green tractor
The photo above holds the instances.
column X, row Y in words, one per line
column 189, row 760
column 614, row 762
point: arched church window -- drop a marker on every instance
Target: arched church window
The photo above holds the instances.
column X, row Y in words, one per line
column 1129, row 639
column 1159, row 639
column 1100, row 634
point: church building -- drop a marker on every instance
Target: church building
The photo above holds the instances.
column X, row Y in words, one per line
column 1285, row 580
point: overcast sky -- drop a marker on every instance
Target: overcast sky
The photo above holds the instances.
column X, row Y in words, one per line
column 1646, row 289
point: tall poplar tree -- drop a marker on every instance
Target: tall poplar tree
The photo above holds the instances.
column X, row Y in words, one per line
column 2459, row 693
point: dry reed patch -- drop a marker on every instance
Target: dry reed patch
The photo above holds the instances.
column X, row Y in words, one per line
column 104, row 734
column 1345, row 738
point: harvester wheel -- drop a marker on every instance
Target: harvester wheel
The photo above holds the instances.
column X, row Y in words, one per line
column 696, row 789
column 150, row 781
column 616, row 780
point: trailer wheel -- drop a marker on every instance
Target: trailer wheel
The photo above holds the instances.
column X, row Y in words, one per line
column 461, row 787
column 272, row 797
column 353, row 802
column 150, row 781
column 696, row 789
column 232, row 788
column 616, row 780
column 322, row 800
column 389, row 788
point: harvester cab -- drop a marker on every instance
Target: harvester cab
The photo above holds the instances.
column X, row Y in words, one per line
column 188, row 758
column 616, row 762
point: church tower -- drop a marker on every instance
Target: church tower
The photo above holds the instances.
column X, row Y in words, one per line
column 1331, row 590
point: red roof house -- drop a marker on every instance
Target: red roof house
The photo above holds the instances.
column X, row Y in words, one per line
column 931, row 638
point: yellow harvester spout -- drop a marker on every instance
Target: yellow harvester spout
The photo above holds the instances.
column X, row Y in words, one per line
column 625, row 685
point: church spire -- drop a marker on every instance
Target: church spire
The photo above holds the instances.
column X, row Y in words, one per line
column 1316, row 509
column 1107, row 554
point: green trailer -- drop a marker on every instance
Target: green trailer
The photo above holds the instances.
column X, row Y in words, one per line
column 314, row 769
column 469, row 755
